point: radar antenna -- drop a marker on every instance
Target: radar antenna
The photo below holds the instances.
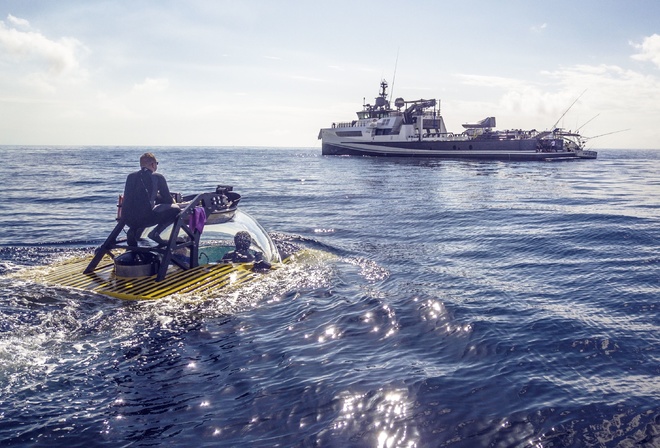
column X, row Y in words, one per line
column 396, row 63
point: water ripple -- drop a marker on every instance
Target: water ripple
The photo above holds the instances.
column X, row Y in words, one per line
column 442, row 303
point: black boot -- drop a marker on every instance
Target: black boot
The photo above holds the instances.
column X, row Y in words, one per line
column 155, row 236
column 131, row 236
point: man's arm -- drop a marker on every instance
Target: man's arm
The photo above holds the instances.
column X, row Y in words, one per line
column 164, row 196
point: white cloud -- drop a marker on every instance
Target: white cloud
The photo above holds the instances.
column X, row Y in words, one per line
column 148, row 98
column 489, row 81
column 539, row 28
column 530, row 100
column 620, row 97
column 308, row 78
column 613, row 87
column 114, row 107
column 39, row 82
column 649, row 50
column 22, row 23
column 152, row 85
column 36, row 58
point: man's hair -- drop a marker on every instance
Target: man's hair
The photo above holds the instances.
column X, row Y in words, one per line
column 147, row 158
column 242, row 241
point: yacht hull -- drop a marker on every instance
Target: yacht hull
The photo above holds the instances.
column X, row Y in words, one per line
column 523, row 150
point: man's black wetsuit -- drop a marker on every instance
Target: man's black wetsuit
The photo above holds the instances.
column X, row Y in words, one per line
column 143, row 191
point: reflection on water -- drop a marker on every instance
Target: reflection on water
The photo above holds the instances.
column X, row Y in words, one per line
column 383, row 413
column 440, row 303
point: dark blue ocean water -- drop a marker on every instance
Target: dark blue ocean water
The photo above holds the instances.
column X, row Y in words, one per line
column 453, row 304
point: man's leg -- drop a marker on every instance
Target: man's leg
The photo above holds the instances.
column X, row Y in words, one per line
column 165, row 218
column 132, row 235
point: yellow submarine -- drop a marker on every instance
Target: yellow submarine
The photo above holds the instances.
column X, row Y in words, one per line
column 211, row 245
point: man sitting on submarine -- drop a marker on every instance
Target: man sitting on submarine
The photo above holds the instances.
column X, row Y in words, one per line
column 242, row 254
column 147, row 202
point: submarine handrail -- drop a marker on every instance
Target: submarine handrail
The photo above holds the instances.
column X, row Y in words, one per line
column 211, row 202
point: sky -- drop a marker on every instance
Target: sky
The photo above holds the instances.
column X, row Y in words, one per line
column 271, row 73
